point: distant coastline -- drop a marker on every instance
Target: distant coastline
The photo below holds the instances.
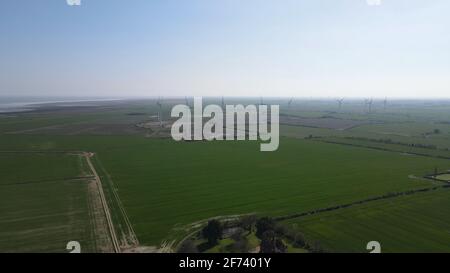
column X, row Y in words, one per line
column 10, row 105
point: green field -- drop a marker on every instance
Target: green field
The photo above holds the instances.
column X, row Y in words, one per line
column 165, row 185
column 417, row 223
column 46, row 202
column 159, row 190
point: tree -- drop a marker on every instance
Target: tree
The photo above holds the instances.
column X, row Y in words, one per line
column 237, row 234
column 247, row 222
column 264, row 224
column 281, row 230
column 299, row 240
column 316, row 248
column 188, row 246
column 270, row 243
column 212, row 232
column 240, row 246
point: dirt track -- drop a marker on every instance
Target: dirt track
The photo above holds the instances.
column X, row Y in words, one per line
column 112, row 231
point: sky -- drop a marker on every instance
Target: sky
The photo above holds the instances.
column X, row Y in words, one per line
column 301, row 48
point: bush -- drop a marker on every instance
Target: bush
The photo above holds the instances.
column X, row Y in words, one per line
column 264, row 224
column 271, row 243
column 212, row 232
column 247, row 222
column 240, row 246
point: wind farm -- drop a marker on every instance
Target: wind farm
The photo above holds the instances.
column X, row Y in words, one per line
column 142, row 166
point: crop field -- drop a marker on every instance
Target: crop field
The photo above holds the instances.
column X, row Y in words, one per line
column 47, row 200
column 159, row 191
column 416, row 223
column 323, row 122
column 166, row 186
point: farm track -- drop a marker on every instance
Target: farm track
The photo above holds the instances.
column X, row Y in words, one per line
column 112, row 230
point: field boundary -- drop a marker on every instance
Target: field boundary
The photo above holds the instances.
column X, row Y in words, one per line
column 361, row 202
column 383, row 149
column 65, row 179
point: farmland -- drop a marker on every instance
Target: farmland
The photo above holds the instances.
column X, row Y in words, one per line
column 406, row 224
column 159, row 191
column 48, row 199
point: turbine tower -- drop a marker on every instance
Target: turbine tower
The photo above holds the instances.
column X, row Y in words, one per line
column 159, row 103
column 340, row 102
column 290, row 102
column 385, row 102
column 368, row 104
column 261, row 101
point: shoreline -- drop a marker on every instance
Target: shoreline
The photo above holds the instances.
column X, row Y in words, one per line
column 30, row 106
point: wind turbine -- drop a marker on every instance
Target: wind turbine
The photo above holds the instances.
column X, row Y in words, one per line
column 340, row 102
column 368, row 103
column 261, row 101
column 385, row 103
column 290, row 102
column 159, row 103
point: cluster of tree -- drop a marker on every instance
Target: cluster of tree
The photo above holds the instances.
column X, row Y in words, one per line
column 271, row 242
column 311, row 137
column 247, row 223
column 240, row 244
column 213, row 232
column 434, row 132
column 270, row 232
column 298, row 239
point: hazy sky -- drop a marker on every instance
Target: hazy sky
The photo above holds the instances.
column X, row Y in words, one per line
column 309, row 48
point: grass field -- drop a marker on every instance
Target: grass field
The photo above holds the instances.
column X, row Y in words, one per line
column 159, row 189
column 46, row 201
column 170, row 185
column 164, row 185
column 417, row 223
